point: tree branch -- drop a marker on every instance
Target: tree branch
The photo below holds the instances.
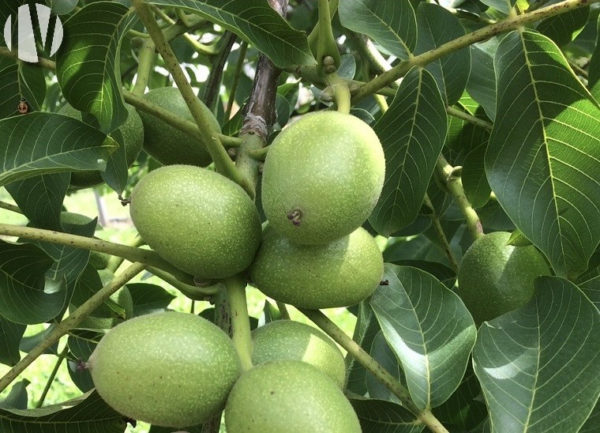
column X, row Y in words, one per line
column 482, row 34
column 71, row 322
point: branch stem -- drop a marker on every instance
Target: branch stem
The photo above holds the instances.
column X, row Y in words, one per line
column 459, row 114
column 510, row 23
column 240, row 321
column 71, row 322
column 147, row 257
column 455, row 187
column 10, row 207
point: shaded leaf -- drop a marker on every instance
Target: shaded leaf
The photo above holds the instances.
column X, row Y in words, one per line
column 148, row 298
column 379, row 416
column 543, row 161
column 41, row 198
column 390, row 23
column 87, row 414
column 29, row 342
column 563, row 28
column 592, row 425
column 22, row 280
column 592, row 290
column 451, row 72
column 539, row 366
column 594, row 67
column 255, row 22
column 482, row 81
column 10, row 337
column 503, row 6
column 464, row 410
column 17, row 397
column 475, row 183
column 44, row 143
column 87, row 65
column 20, row 80
column 385, row 356
column 412, row 134
column 429, row 329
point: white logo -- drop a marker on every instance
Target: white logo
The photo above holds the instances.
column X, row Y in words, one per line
column 26, row 43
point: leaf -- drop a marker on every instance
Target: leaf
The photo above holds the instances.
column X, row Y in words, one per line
column 594, row 67
column 29, row 342
column 10, row 337
column 364, row 332
column 86, row 414
column 451, row 72
column 412, row 134
column 429, row 329
column 20, row 80
column 543, row 160
column 539, row 366
column 379, row 416
column 382, row 353
column 256, row 22
column 503, row 6
column 87, row 65
column 563, row 28
column 592, row 425
column 592, row 290
column 482, row 81
column 81, row 345
column 17, row 397
column 148, row 298
column 44, row 143
column 390, row 23
column 41, row 198
column 22, row 296
column 475, row 183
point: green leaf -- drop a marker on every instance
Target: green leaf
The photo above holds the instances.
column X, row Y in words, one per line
column 44, row 143
column 364, row 332
column 539, row 366
column 41, row 198
column 429, row 329
column 10, row 337
column 503, row 6
column 86, row 414
column 464, row 410
column 451, row 72
column 256, row 22
column 563, row 28
column 482, row 81
column 592, row 289
column 412, row 133
column 87, row 65
column 592, row 425
column 379, row 416
column 543, row 161
column 17, row 397
column 22, row 296
column 148, row 298
column 81, row 345
column 390, row 23
column 20, row 80
column 382, row 353
column 594, row 67
column 29, row 342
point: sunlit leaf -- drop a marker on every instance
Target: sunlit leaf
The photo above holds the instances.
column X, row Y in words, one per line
column 539, row 366
column 543, row 160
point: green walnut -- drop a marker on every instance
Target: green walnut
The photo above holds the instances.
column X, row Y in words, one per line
column 197, row 220
column 291, row 397
column 130, row 135
column 168, row 369
column 322, row 177
column 495, row 278
column 289, row 340
column 338, row 274
column 170, row 145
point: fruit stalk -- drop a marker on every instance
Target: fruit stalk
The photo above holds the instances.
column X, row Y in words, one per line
column 455, row 187
column 71, row 322
column 510, row 23
column 341, row 92
column 191, row 291
column 354, row 349
column 240, row 321
column 147, row 257
column 222, row 161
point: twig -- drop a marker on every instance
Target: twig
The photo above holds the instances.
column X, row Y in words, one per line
column 439, row 230
column 71, row 322
column 236, row 79
column 481, row 34
column 61, row 357
column 459, row 114
column 455, row 187
column 213, row 83
column 10, row 207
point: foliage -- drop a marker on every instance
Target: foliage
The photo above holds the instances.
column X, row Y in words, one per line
column 488, row 112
